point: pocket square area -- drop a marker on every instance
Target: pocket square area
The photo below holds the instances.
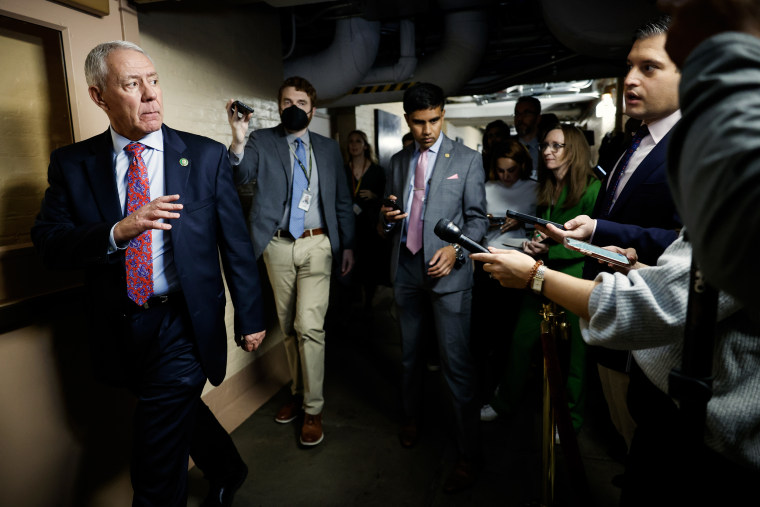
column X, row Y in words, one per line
column 453, row 177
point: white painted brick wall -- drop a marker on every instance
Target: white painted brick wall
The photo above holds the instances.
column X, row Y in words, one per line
column 202, row 61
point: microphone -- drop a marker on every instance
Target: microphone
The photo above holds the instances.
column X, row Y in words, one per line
column 448, row 231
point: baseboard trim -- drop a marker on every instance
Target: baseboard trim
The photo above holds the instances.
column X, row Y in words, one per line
column 241, row 394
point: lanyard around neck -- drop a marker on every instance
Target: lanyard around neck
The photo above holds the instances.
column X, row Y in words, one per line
column 303, row 167
column 358, row 183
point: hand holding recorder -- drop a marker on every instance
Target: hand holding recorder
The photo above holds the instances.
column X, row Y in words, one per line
column 238, row 115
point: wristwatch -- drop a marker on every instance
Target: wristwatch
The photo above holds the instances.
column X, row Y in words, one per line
column 458, row 251
column 538, row 279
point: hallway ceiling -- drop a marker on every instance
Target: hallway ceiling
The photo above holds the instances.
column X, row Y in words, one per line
column 532, row 42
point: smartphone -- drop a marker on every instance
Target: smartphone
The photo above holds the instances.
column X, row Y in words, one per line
column 391, row 204
column 496, row 220
column 242, row 108
column 528, row 219
column 597, row 252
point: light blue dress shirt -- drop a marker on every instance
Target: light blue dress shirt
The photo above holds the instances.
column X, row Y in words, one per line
column 164, row 272
column 432, row 157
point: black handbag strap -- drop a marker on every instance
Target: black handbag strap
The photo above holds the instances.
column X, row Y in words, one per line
column 691, row 385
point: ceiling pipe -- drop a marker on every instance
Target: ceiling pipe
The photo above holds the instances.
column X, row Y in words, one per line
column 404, row 68
column 338, row 69
column 586, row 26
column 465, row 40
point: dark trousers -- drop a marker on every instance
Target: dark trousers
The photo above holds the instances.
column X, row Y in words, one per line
column 664, row 468
column 171, row 422
column 494, row 314
column 451, row 317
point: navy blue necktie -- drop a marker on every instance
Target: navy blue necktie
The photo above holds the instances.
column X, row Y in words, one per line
column 640, row 134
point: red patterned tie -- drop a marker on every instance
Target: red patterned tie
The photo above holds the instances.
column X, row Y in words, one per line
column 414, row 232
column 139, row 259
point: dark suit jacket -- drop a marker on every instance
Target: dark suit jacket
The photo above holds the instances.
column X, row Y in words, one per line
column 457, row 192
column 266, row 161
column 644, row 216
column 82, row 204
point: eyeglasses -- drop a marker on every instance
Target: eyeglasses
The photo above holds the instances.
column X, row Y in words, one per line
column 555, row 147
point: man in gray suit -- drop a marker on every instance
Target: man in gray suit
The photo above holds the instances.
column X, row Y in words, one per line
column 301, row 219
column 432, row 179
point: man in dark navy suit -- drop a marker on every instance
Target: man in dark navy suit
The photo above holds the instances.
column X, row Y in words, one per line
column 157, row 298
column 634, row 207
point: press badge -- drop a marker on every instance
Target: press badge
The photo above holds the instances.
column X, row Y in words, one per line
column 305, row 202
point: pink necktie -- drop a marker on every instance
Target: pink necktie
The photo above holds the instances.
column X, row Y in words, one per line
column 139, row 258
column 414, row 232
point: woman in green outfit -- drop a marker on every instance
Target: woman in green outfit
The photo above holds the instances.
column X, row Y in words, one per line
column 566, row 188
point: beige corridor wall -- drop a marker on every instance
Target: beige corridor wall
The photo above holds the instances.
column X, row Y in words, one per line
column 64, row 437
column 203, row 59
column 50, row 408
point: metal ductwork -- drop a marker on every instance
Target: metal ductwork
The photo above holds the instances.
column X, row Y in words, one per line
column 586, row 26
column 465, row 39
column 338, row 69
column 404, row 67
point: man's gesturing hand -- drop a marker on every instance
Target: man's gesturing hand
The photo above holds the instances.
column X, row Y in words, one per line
column 147, row 217
column 251, row 342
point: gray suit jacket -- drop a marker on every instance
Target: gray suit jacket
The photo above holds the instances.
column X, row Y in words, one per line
column 267, row 162
column 456, row 192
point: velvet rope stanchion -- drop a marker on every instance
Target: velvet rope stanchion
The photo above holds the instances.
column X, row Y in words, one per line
column 557, row 414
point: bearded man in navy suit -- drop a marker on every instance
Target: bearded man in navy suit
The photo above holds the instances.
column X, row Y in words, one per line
column 166, row 342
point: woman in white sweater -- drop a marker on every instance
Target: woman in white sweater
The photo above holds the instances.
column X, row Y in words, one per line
column 508, row 187
column 645, row 311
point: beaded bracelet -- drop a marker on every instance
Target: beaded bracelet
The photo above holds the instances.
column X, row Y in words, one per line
column 533, row 271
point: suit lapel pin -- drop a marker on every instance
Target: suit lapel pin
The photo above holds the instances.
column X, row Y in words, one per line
column 183, row 162
column 446, row 155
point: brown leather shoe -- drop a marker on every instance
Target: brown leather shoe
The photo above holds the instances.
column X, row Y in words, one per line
column 408, row 434
column 311, row 431
column 289, row 411
column 463, row 476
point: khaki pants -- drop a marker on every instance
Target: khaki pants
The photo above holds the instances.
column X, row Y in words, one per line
column 299, row 272
column 615, row 389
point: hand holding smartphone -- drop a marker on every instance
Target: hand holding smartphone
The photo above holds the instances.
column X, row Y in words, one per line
column 391, row 204
column 598, row 252
column 529, row 219
column 496, row 221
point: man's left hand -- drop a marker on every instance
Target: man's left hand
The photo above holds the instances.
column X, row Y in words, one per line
column 348, row 262
column 442, row 262
column 251, row 342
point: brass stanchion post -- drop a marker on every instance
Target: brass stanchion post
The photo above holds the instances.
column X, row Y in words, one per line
column 557, row 414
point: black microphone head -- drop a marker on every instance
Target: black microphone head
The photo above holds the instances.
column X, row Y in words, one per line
column 447, row 230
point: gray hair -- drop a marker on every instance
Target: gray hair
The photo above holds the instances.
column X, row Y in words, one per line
column 658, row 26
column 95, row 68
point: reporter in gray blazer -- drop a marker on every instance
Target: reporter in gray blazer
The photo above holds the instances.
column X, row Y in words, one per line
column 301, row 219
